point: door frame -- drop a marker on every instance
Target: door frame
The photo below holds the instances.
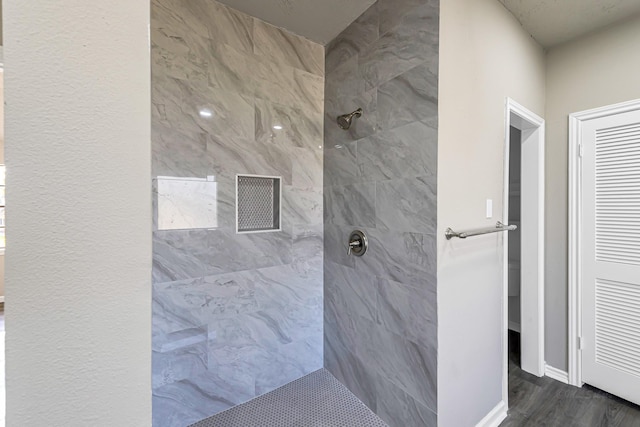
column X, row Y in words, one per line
column 576, row 121
column 520, row 117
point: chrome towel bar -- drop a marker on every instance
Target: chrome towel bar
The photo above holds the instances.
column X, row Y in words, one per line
column 449, row 233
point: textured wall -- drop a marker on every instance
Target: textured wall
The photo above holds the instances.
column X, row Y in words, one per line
column 234, row 315
column 380, row 310
column 79, row 258
column 485, row 57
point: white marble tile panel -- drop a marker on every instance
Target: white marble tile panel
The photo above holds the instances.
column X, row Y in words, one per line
column 186, row 203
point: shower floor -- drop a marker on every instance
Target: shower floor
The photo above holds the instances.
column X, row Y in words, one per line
column 315, row 400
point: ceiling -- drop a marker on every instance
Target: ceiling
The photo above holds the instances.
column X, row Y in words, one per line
column 317, row 20
column 552, row 22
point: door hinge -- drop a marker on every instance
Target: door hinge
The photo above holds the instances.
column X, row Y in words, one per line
column 580, row 343
column 580, row 150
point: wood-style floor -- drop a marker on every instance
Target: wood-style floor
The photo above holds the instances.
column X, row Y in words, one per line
column 542, row 401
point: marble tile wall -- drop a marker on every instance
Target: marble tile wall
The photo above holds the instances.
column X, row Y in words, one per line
column 380, row 314
column 234, row 315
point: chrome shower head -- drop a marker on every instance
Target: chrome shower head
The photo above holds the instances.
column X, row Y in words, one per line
column 345, row 120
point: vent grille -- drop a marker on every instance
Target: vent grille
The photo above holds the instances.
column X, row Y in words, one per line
column 315, row 400
column 258, row 203
column 618, row 325
column 618, row 194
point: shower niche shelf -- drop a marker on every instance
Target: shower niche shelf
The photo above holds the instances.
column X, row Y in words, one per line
column 258, row 203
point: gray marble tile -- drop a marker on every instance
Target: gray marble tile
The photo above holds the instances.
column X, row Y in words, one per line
column 178, row 154
column 166, row 319
column 301, row 206
column 296, row 127
column 178, row 62
column 340, row 165
column 308, row 250
column 352, row 205
column 350, row 291
column 345, row 103
column 167, row 342
column 226, row 25
column 335, row 244
column 179, row 104
column 230, row 69
column 179, row 364
column 273, row 82
column 408, row 258
column 306, row 168
column 179, row 255
column 350, row 371
column 407, row 151
column 293, row 303
column 418, row 90
column 360, row 33
column 344, row 93
column 186, row 254
column 284, row 85
column 394, row 13
column 257, row 297
column 308, row 91
column 237, row 252
column 338, row 325
column 345, row 79
column 195, row 302
column 277, row 45
column 399, row 409
column 205, row 19
column 409, row 366
column 409, row 312
column 409, row 43
column 233, row 156
column 407, row 205
column 174, row 28
column 182, row 403
column 258, row 346
column 293, row 361
column 307, row 283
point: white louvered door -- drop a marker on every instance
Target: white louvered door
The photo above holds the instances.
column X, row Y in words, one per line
column 610, row 233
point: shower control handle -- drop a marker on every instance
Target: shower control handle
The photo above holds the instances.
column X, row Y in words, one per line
column 358, row 243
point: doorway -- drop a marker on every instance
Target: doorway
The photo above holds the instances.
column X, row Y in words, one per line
column 604, row 254
column 523, row 256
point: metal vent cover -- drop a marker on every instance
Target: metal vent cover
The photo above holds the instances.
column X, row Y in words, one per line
column 258, row 203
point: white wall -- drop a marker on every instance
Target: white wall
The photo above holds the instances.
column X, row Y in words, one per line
column 1, row 152
column 485, row 56
column 78, row 276
column 596, row 70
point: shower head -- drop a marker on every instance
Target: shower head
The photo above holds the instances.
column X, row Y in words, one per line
column 344, row 121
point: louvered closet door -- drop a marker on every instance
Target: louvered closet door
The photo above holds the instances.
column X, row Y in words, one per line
column 611, row 254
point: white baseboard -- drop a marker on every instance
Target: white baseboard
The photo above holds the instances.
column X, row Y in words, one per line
column 556, row 374
column 495, row 417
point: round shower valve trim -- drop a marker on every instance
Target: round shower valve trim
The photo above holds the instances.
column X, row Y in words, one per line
column 357, row 244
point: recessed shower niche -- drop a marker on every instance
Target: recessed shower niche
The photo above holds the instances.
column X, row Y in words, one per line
column 258, row 203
